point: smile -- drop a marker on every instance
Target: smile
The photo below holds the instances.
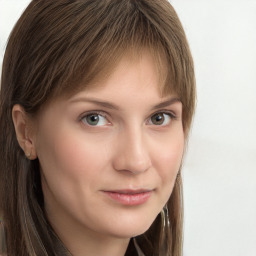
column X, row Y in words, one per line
column 129, row 197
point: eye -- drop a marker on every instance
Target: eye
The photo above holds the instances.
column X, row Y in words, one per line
column 94, row 119
column 161, row 118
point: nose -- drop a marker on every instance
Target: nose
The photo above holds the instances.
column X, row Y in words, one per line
column 132, row 153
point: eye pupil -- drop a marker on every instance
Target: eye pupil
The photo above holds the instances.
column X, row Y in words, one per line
column 157, row 119
column 92, row 119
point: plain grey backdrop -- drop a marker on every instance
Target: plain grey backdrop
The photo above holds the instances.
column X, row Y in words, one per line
column 220, row 167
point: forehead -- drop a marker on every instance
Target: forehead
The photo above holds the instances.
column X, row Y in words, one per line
column 149, row 65
column 133, row 84
column 130, row 70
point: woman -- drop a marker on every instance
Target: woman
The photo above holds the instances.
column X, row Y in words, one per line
column 97, row 98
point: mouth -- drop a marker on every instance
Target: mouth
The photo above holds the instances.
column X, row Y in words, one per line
column 129, row 197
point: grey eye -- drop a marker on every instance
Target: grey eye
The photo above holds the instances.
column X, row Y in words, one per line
column 94, row 119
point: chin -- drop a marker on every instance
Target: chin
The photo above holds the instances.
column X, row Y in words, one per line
column 128, row 230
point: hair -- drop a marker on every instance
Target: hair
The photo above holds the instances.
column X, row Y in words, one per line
column 58, row 48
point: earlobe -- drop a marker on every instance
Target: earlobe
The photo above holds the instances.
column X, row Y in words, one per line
column 23, row 131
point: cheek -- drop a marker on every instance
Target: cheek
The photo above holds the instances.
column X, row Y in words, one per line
column 72, row 157
column 71, row 166
column 167, row 158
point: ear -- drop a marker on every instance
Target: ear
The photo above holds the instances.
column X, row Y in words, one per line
column 23, row 129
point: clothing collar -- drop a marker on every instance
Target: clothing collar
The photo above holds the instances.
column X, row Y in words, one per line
column 59, row 246
column 139, row 251
column 61, row 250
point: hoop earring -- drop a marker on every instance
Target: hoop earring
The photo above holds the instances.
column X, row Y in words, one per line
column 165, row 223
column 165, row 217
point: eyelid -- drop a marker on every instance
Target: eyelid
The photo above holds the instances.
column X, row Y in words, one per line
column 94, row 112
column 172, row 113
column 97, row 112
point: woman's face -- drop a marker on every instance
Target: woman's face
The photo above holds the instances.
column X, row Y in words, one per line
column 109, row 155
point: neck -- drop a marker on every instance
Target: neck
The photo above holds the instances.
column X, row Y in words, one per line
column 79, row 242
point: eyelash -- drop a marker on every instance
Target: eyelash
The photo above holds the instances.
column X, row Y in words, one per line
column 166, row 112
column 169, row 113
column 172, row 116
column 96, row 113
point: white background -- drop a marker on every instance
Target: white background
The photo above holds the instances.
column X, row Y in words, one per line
column 220, row 168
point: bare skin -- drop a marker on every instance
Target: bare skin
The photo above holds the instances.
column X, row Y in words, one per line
column 121, row 137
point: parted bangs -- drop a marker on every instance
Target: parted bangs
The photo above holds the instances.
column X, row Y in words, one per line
column 85, row 40
column 58, row 48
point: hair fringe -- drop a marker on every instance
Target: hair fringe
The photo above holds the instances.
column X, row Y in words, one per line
column 84, row 41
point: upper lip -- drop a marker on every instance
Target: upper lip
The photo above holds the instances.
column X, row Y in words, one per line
column 129, row 191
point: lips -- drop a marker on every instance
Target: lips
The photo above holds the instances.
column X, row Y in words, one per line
column 129, row 197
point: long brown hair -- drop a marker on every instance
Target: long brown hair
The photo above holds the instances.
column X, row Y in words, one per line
column 56, row 48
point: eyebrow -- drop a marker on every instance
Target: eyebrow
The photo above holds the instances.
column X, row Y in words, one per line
column 166, row 103
column 97, row 102
column 113, row 106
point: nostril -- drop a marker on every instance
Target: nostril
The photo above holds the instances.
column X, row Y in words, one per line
column 132, row 152
column 135, row 165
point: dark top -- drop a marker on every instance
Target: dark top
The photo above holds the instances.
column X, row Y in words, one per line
column 60, row 248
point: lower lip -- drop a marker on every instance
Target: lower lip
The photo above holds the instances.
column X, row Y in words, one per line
column 129, row 199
